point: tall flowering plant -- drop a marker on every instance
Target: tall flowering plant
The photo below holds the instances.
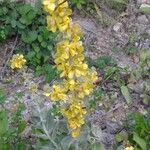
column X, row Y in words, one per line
column 77, row 79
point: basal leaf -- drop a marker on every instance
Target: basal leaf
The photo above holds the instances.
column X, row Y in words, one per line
column 141, row 142
column 126, row 94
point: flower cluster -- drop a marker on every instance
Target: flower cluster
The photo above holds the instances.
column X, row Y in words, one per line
column 59, row 13
column 75, row 115
column 17, row 61
column 78, row 79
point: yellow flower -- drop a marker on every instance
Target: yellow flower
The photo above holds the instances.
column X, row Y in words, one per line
column 63, row 23
column 78, row 79
column 75, row 115
column 58, row 93
column 74, row 32
column 17, row 61
column 59, row 13
column 94, row 76
column 75, row 133
column 85, row 89
column 70, row 84
column 51, row 23
column 49, row 6
column 129, row 148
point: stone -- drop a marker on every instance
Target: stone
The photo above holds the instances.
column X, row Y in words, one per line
column 107, row 139
column 148, row 31
column 113, row 127
column 117, row 27
column 142, row 19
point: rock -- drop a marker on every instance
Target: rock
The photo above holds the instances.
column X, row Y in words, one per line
column 113, row 127
column 142, row 19
column 107, row 139
column 148, row 31
column 145, row 8
column 117, row 27
column 141, row 28
column 146, row 44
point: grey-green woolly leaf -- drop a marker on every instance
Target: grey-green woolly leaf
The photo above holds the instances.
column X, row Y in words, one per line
column 97, row 132
column 126, row 94
column 97, row 146
column 145, row 8
column 3, row 122
column 66, row 142
column 141, row 142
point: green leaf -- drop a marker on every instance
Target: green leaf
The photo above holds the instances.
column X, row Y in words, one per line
column 66, row 142
column 2, row 96
column 44, row 44
column 39, row 71
column 50, row 123
column 24, row 9
column 40, row 38
column 97, row 146
column 20, row 25
column 120, row 1
column 50, row 72
column 4, row 146
column 29, row 37
column 126, row 94
column 21, row 126
column 3, row 122
column 21, row 145
column 119, row 137
column 141, row 142
column 145, row 8
column 13, row 23
column 24, row 20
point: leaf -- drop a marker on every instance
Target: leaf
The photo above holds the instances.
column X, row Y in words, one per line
column 49, row 122
column 43, row 44
column 21, row 145
column 40, row 38
column 4, row 146
column 145, row 8
column 97, row 146
column 13, row 23
column 3, row 122
column 39, row 71
column 141, row 142
column 2, row 96
column 119, row 137
column 29, row 37
column 66, row 142
column 126, row 94
column 21, row 126
column 120, row 1
column 24, row 9
column 50, row 72
column 20, row 25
